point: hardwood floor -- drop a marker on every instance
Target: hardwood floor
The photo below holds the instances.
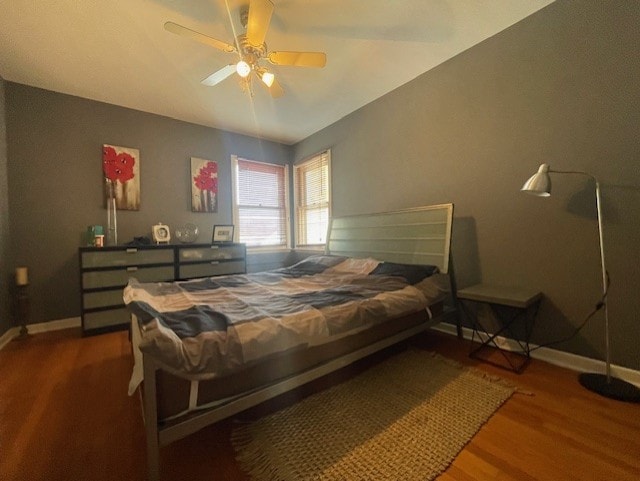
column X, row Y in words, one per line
column 65, row 415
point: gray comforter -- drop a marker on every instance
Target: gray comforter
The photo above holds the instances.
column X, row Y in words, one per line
column 210, row 327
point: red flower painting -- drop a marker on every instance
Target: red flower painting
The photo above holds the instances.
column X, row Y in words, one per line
column 117, row 166
column 207, row 178
column 120, row 166
column 205, row 185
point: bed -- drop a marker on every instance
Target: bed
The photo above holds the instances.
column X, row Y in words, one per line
column 207, row 349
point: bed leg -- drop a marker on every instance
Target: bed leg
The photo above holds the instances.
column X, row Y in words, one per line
column 454, row 298
column 151, row 421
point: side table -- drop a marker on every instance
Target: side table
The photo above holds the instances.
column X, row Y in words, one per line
column 510, row 306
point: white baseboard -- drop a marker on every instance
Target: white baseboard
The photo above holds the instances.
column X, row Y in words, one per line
column 553, row 356
column 40, row 327
column 8, row 336
column 68, row 323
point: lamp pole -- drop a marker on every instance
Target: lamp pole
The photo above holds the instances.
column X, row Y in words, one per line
column 604, row 282
column 602, row 265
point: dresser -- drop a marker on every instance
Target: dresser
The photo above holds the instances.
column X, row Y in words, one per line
column 105, row 271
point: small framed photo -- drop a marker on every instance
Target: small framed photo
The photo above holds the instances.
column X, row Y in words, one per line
column 222, row 233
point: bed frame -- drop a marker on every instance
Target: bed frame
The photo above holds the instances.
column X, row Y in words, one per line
column 412, row 236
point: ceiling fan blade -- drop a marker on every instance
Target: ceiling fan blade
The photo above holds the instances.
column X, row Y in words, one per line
column 198, row 37
column 299, row 59
column 219, row 76
column 276, row 89
column 260, row 12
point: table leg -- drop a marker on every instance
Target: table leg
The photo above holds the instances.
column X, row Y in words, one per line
column 507, row 317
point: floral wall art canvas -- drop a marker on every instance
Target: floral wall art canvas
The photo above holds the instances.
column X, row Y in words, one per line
column 204, row 185
column 121, row 168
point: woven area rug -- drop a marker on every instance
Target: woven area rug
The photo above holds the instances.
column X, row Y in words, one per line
column 403, row 419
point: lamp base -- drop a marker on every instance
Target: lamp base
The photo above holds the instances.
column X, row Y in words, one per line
column 614, row 388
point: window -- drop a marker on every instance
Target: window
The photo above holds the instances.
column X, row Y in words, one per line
column 260, row 209
column 313, row 192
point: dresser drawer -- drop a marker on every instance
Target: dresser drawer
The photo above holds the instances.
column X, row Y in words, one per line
column 91, row 300
column 112, row 317
column 120, row 277
column 210, row 253
column 126, row 257
column 104, row 272
column 209, row 269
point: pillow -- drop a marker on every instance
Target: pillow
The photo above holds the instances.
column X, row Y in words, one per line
column 355, row 265
column 411, row 272
column 314, row 264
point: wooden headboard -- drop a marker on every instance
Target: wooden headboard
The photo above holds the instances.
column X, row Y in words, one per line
column 421, row 235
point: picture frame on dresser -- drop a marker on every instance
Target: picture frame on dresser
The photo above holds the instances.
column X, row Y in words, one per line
column 222, row 234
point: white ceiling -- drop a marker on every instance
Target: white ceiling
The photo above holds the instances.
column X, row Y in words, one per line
column 118, row 52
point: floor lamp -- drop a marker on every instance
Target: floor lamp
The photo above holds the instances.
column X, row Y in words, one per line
column 604, row 384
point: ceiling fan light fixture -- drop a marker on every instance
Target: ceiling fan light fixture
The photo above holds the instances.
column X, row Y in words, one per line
column 267, row 78
column 250, row 49
column 243, row 68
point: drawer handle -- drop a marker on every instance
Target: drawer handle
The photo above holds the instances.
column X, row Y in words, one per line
column 215, row 263
column 215, row 247
column 132, row 269
column 132, row 251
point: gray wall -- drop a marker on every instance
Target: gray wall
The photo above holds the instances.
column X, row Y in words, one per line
column 55, row 174
column 5, row 262
column 559, row 87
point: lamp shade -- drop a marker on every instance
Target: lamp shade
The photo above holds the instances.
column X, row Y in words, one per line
column 539, row 183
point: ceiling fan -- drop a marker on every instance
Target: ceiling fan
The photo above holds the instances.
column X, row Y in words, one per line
column 251, row 49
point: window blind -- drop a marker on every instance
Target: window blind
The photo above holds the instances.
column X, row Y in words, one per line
column 261, row 203
column 312, row 186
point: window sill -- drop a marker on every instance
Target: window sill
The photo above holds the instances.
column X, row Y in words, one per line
column 310, row 249
column 267, row 250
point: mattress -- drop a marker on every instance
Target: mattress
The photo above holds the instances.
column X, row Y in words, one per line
column 239, row 332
